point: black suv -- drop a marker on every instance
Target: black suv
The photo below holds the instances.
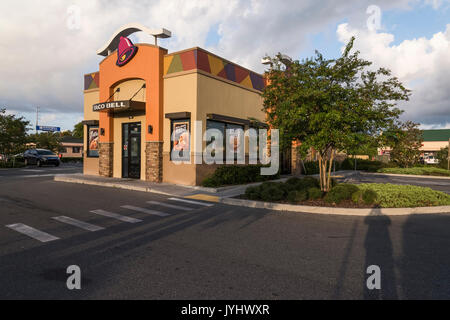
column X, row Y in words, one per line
column 40, row 157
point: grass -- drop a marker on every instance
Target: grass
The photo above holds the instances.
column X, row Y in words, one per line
column 405, row 196
column 423, row 171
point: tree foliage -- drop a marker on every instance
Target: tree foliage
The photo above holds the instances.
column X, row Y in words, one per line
column 78, row 130
column 331, row 105
column 47, row 140
column 405, row 142
column 13, row 132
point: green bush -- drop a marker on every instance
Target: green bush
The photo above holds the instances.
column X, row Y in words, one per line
column 423, row 170
column 236, row 174
column 10, row 164
column 369, row 196
column 357, row 196
column 253, row 193
column 403, row 196
column 341, row 192
column 272, row 192
column 362, row 164
column 297, row 196
column 306, row 183
column 314, row 193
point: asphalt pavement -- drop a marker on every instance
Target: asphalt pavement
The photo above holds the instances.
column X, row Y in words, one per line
column 134, row 245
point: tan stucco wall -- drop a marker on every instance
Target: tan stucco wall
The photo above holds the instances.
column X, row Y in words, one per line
column 200, row 95
column 128, row 88
column 117, row 165
column 91, row 97
column 180, row 95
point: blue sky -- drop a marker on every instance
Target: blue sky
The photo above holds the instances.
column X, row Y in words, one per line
column 239, row 30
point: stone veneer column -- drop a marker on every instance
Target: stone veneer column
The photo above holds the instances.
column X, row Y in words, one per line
column 106, row 159
column 154, row 161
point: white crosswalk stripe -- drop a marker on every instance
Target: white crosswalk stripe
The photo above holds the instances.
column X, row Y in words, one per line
column 172, row 206
column 192, row 202
column 147, row 211
column 78, row 223
column 115, row 216
column 32, row 232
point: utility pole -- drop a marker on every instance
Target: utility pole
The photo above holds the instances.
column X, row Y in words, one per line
column 448, row 157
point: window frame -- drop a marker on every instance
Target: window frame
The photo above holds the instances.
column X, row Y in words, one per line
column 88, row 150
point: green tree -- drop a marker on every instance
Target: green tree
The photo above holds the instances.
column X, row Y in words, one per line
column 331, row 105
column 47, row 140
column 442, row 156
column 405, row 142
column 13, row 132
column 78, row 130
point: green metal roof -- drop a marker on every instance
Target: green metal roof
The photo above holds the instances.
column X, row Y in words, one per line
column 436, row 135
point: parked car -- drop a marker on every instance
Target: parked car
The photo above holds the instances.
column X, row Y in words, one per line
column 431, row 160
column 40, row 157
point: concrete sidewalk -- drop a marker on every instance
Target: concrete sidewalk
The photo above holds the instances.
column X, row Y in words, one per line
column 194, row 192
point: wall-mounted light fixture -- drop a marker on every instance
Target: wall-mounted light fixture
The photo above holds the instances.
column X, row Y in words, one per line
column 150, row 129
column 102, row 131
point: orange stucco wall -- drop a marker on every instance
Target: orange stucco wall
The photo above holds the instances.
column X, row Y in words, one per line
column 147, row 65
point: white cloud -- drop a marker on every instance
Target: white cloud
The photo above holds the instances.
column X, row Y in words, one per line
column 421, row 63
column 43, row 61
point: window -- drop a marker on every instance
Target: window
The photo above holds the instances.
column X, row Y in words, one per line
column 92, row 141
column 76, row 149
column 63, row 150
column 180, row 139
column 235, row 131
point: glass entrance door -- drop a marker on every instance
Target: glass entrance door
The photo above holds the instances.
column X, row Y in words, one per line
column 131, row 150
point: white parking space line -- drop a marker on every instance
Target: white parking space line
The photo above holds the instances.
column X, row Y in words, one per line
column 32, row 170
column 78, row 223
column 116, row 216
column 31, row 232
column 192, row 202
column 163, row 204
column 147, row 211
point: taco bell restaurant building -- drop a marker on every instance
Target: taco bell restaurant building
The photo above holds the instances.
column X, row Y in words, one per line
column 142, row 95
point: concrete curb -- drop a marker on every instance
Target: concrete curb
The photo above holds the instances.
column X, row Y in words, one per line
column 335, row 211
column 402, row 175
column 65, row 178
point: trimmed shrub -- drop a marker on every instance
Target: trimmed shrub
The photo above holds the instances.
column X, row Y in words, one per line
column 297, row 196
column 306, row 183
column 273, row 192
column 404, row 196
column 293, row 181
column 422, row 170
column 235, row 174
column 314, row 193
column 341, row 192
column 253, row 193
column 356, row 196
column 369, row 196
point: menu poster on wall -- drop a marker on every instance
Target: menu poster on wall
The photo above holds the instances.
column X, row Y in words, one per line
column 93, row 139
column 181, row 139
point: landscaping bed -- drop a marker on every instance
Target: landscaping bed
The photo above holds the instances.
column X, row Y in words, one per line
column 229, row 175
column 377, row 195
column 423, row 171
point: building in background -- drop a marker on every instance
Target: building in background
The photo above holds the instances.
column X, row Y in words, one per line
column 433, row 141
column 71, row 147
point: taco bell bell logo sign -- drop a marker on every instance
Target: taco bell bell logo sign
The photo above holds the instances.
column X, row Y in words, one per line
column 125, row 51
